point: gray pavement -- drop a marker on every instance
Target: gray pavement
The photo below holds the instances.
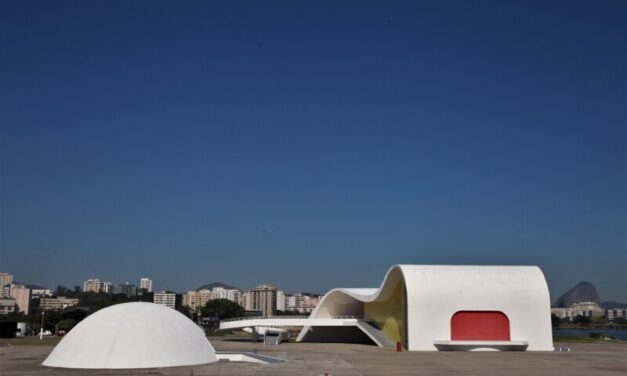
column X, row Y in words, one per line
column 352, row 359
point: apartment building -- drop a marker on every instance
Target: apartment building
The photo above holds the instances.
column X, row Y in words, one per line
column 21, row 294
column 167, row 299
column 280, row 300
column 263, row 298
column 585, row 309
column 96, row 285
column 57, row 303
column 146, row 284
column 197, row 299
column 612, row 314
column 6, row 280
column 7, row 305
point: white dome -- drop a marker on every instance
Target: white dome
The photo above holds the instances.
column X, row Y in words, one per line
column 133, row 335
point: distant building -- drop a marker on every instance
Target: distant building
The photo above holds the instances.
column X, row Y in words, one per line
column 57, row 303
column 263, row 298
column 107, row 287
column 40, row 291
column 21, row 294
column 126, row 289
column 588, row 309
column 7, row 305
column 563, row 313
column 228, row 294
column 280, row 300
column 197, row 299
column 309, row 303
column 301, row 302
column 146, row 284
column 612, row 314
column 188, row 299
column 167, row 299
column 246, row 301
column 96, row 285
column 6, row 280
column 585, row 309
column 293, row 302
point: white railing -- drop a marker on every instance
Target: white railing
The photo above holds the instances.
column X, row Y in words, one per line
column 291, row 317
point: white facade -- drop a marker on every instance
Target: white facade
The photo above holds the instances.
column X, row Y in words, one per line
column 167, row 299
column 40, row 292
column 96, row 285
column 21, row 294
column 130, row 336
column 197, row 299
column 6, row 280
column 145, row 283
column 280, row 300
column 7, row 305
column 433, row 294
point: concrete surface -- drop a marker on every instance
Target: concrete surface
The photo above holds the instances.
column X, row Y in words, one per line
column 350, row 359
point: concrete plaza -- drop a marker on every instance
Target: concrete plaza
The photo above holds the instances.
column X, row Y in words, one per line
column 17, row 358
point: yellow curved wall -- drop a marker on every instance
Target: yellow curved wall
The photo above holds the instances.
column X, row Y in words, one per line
column 389, row 315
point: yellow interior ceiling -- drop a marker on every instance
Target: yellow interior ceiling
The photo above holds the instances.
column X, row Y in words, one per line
column 389, row 315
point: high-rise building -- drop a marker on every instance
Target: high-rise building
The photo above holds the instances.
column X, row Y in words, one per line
column 145, row 283
column 189, row 300
column 197, row 299
column 107, row 287
column 246, row 301
column 5, row 280
column 93, row 285
column 264, row 299
column 167, row 299
column 126, row 289
column 96, row 285
column 21, row 294
column 280, row 300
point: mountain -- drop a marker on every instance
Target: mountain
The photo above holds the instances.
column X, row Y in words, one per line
column 583, row 292
column 608, row 305
column 216, row 284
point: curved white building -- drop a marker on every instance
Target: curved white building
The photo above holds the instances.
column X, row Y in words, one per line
column 133, row 335
column 443, row 307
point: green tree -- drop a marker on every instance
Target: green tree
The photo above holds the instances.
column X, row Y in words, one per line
column 185, row 310
column 66, row 324
column 584, row 320
column 222, row 309
column 555, row 321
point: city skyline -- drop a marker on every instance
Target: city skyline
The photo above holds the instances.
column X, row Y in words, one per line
column 213, row 142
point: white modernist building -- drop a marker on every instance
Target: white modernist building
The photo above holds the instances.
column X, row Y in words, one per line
column 434, row 307
column 133, row 335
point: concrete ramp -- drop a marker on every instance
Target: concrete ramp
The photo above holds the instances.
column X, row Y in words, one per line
column 375, row 334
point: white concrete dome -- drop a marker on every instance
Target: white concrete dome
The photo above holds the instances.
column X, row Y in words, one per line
column 133, row 335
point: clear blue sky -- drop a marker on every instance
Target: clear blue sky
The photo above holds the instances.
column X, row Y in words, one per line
column 312, row 144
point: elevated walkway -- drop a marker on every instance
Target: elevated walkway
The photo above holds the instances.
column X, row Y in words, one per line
column 307, row 323
column 283, row 321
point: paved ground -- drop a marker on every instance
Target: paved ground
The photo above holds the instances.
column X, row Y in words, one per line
column 348, row 359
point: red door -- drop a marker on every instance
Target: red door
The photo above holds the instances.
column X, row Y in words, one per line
column 479, row 326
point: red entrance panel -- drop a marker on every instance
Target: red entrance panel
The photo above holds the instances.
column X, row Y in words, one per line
column 479, row 326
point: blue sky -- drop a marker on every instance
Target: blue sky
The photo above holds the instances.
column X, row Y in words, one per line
column 312, row 144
